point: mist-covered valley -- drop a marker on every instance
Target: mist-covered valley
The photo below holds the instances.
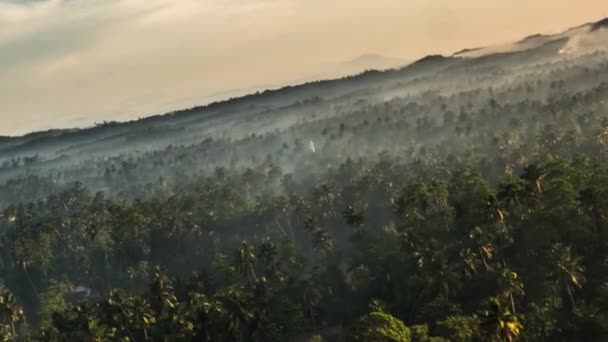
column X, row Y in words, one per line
column 456, row 198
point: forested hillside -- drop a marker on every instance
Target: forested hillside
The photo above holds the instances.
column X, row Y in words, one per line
column 460, row 198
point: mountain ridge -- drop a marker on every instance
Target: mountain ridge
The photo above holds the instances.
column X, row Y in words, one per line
column 432, row 58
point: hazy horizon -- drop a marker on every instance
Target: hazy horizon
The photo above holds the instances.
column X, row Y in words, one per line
column 68, row 63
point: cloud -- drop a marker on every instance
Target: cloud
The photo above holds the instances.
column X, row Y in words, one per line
column 118, row 59
column 63, row 61
column 12, row 12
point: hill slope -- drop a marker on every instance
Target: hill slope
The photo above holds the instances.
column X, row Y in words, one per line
column 393, row 111
column 458, row 198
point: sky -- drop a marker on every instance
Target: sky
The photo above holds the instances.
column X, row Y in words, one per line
column 72, row 63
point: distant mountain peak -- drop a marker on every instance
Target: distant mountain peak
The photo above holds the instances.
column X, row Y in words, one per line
column 375, row 60
column 370, row 56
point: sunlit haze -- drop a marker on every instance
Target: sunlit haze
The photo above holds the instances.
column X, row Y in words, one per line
column 71, row 63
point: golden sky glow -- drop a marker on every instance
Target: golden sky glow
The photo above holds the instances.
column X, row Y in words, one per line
column 75, row 62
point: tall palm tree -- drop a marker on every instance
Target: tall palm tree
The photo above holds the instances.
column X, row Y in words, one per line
column 510, row 286
column 510, row 192
column 245, row 260
column 327, row 194
column 568, row 271
column 142, row 316
column 533, row 174
column 236, row 313
column 443, row 274
column 353, row 217
column 494, row 210
column 498, row 323
column 162, row 295
column 117, row 311
column 322, row 240
column 10, row 311
column 267, row 251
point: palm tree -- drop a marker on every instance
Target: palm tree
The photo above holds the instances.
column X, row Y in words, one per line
column 494, row 210
column 533, row 174
column 117, row 311
column 510, row 191
column 510, row 287
column 142, row 315
column 162, row 295
column 322, row 240
column 245, row 260
column 568, row 271
column 498, row 323
column 268, row 253
column 482, row 248
column 353, row 217
column 10, row 311
column 444, row 274
column 202, row 312
column 311, row 296
column 326, row 196
column 237, row 315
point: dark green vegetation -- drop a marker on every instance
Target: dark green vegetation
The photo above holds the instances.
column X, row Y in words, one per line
column 438, row 214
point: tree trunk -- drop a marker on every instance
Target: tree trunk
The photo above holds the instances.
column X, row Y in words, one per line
column 255, row 278
column 291, row 231
column 512, row 303
column 131, row 335
column 598, row 229
column 312, row 318
column 29, row 279
column 571, row 296
column 280, row 226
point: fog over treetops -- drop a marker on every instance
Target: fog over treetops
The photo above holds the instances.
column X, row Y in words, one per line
column 450, row 103
column 460, row 197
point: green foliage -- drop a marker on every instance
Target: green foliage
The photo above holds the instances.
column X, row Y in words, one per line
column 10, row 314
column 420, row 333
column 461, row 259
column 53, row 300
column 378, row 326
column 458, row 328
